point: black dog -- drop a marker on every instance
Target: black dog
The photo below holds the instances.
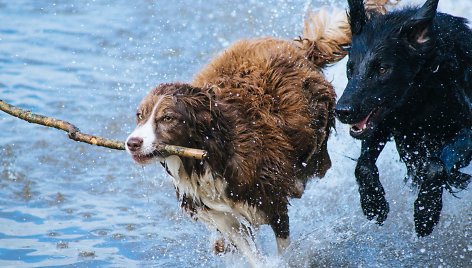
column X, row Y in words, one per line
column 410, row 78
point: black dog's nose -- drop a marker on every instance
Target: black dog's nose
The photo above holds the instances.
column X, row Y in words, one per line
column 134, row 143
column 343, row 111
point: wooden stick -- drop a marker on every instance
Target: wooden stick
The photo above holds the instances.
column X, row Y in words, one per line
column 75, row 134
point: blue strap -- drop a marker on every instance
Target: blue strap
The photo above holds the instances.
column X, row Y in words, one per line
column 458, row 153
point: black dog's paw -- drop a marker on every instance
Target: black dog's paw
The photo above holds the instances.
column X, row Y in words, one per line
column 374, row 204
column 428, row 207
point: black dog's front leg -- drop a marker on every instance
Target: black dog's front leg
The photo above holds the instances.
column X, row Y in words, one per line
column 428, row 205
column 372, row 194
column 436, row 174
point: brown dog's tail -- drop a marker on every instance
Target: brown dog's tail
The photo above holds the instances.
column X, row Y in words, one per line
column 378, row 6
column 324, row 36
column 326, row 32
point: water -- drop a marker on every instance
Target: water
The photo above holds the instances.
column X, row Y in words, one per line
column 64, row 203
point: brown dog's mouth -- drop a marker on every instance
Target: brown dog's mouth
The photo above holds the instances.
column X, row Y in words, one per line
column 363, row 126
column 143, row 159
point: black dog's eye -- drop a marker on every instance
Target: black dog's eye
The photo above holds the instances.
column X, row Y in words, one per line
column 382, row 70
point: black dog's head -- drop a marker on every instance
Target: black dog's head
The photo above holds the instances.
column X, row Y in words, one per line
column 387, row 53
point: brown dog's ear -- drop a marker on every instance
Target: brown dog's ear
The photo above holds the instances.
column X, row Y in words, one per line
column 357, row 15
column 418, row 28
column 194, row 103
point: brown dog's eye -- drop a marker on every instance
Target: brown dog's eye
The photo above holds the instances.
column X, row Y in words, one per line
column 166, row 118
column 139, row 116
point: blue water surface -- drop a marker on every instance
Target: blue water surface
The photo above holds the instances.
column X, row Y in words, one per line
column 64, row 203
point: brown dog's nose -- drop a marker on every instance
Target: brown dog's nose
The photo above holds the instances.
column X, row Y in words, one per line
column 134, row 143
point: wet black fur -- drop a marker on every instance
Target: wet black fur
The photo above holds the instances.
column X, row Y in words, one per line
column 411, row 70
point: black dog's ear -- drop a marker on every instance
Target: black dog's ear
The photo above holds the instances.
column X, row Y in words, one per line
column 357, row 15
column 418, row 28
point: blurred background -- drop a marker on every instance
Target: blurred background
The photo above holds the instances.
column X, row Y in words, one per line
column 64, row 203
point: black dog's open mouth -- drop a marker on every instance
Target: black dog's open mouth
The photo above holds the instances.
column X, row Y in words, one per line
column 361, row 128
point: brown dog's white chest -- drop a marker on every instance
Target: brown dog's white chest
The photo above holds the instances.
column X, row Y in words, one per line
column 208, row 194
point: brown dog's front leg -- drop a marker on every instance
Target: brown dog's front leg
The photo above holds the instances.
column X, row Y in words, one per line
column 280, row 226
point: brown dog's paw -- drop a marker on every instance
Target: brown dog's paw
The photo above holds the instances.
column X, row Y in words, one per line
column 219, row 246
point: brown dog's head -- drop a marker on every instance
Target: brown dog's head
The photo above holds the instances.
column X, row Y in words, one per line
column 167, row 115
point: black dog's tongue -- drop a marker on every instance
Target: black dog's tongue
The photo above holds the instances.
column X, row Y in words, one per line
column 360, row 126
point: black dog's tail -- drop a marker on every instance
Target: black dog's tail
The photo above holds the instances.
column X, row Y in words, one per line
column 326, row 33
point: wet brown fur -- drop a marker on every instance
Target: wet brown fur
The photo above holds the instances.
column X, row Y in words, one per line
column 263, row 113
column 279, row 107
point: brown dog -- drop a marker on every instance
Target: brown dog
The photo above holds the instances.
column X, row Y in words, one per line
column 263, row 110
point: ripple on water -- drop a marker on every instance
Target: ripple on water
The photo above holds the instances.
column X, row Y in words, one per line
column 5, row 61
column 24, row 254
column 20, row 217
column 8, row 31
